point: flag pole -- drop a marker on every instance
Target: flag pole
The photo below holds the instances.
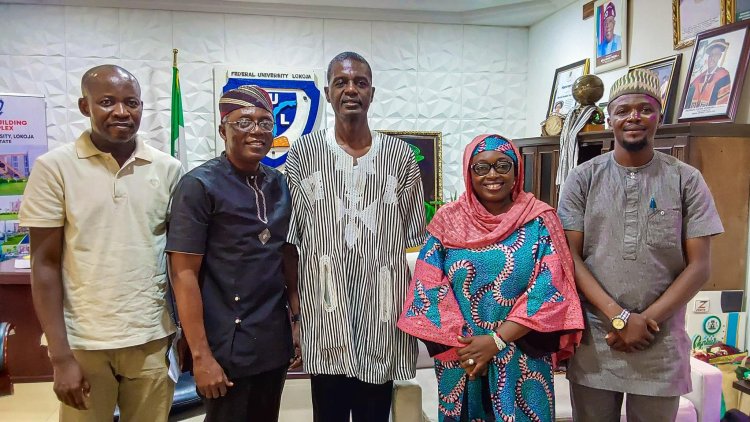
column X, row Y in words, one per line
column 177, row 135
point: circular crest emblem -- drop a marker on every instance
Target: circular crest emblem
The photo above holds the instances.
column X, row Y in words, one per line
column 712, row 325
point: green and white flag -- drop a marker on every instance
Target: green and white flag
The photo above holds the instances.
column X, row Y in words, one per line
column 178, row 148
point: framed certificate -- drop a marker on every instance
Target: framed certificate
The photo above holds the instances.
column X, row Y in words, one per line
column 689, row 17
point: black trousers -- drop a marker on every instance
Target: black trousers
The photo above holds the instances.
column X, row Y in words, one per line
column 335, row 397
column 253, row 398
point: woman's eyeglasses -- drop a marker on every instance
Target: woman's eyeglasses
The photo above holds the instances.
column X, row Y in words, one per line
column 247, row 125
column 500, row 166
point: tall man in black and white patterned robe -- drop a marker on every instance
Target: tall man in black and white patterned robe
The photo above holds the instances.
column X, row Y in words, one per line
column 357, row 206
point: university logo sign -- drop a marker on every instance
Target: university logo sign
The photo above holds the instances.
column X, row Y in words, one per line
column 297, row 105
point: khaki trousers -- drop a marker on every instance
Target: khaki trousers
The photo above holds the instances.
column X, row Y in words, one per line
column 134, row 378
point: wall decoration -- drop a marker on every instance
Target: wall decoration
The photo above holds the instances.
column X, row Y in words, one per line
column 741, row 10
column 561, row 99
column 603, row 107
column 23, row 138
column 297, row 98
column 611, row 17
column 689, row 17
column 716, row 74
column 428, row 150
column 668, row 70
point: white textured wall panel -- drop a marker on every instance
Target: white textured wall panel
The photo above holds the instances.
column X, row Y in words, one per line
column 485, row 49
column 439, row 95
column 395, row 94
column 452, row 152
column 394, row 46
column 340, row 36
column 197, row 87
column 460, row 80
column 76, row 124
column 91, row 32
column 57, row 121
column 199, row 131
column 249, row 40
column 39, row 75
column 515, row 96
column 199, row 36
column 482, row 96
column 155, row 129
column 30, row 30
column 518, row 50
column 157, row 93
column 440, row 47
column 145, row 35
column 394, row 124
column 301, row 41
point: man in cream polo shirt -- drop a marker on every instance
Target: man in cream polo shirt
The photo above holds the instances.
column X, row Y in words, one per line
column 97, row 211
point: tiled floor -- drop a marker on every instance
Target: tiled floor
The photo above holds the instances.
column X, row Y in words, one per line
column 35, row 402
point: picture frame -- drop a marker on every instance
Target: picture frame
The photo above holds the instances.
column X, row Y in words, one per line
column 741, row 10
column 668, row 70
column 716, row 74
column 689, row 17
column 562, row 87
column 428, row 150
column 611, row 34
column 603, row 107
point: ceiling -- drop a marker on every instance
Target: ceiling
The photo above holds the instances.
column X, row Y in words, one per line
column 476, row 12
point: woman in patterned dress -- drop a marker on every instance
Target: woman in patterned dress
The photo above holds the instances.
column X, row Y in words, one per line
column 493, row 295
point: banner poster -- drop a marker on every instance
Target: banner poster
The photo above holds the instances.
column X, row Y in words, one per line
column 297, row 97
column 23, row 138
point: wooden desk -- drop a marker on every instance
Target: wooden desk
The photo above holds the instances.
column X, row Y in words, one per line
column 27, row 359
column 742, row 385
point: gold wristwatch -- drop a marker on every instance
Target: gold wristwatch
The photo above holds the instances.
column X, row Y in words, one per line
column 619, row 321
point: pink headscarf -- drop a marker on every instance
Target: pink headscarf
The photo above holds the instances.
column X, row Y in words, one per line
column 466, row 224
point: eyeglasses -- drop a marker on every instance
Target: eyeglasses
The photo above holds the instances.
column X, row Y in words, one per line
column 500, row 166
column 247, row 125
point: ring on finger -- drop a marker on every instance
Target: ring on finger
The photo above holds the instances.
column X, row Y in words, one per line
column 470, row 362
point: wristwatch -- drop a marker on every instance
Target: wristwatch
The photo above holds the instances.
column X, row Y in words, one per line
column 499, row 342
column 295, row 318
column 619, row 321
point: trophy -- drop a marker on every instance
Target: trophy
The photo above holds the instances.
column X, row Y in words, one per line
column 587, row 90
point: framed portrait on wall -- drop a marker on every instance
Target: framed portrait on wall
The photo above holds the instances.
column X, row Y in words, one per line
column 716, row 74
column 611, row 17
column 668, row 70
column 561, row 99
column 689, row 17
column 428, row 151
column 741, row 10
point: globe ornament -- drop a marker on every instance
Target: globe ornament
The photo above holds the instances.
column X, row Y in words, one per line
column 587, row 90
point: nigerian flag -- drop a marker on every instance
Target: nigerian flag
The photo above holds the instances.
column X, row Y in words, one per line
column 177, row 148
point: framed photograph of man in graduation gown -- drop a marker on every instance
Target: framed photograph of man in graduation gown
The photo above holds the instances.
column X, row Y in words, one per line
column 716, row 74
column 611, row 17
column 428, row 151
column 689, row 17
column 668, row 70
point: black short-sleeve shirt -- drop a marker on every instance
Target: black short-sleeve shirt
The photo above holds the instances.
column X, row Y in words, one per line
column 239, row 224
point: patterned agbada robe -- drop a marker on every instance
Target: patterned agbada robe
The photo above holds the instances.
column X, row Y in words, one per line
column 353, row 224
column 524, row 275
